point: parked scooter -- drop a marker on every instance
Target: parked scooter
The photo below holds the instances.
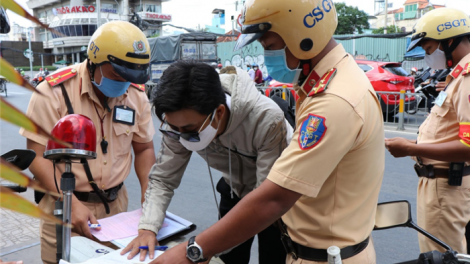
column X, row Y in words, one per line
column 398, row 214
column 425, row 85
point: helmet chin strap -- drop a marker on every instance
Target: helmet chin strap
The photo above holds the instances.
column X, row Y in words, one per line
column 306, row 68
column 449, row 49
column 91, row 69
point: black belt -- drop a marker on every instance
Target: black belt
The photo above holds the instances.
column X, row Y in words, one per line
column 320, row 255
column 93, row 197
column 429, row 171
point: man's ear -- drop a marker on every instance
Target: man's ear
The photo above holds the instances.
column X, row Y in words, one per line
column 220, row 112
column 450, row 41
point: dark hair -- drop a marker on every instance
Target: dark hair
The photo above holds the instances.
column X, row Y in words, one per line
column 188, row 85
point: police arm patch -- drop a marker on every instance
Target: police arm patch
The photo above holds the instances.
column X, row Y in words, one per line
column 464, row 134
column 312, row 131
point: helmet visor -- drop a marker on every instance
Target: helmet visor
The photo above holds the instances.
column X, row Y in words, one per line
column 413, row 44
column 131, row 72
column 251, row 33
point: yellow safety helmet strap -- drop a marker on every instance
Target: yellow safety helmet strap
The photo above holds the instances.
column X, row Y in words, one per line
column 449, row 49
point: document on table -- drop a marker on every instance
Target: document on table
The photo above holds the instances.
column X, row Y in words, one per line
column 122, row 228
column 116, row 258
column 118, row 226
column 172, row 225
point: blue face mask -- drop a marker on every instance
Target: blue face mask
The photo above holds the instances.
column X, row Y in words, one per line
column 111, row 88
column 275, row 61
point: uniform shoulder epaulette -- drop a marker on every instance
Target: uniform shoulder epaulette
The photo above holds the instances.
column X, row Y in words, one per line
column 140, row 87
column 466, row 70
column 322, row 85
column 61, row 76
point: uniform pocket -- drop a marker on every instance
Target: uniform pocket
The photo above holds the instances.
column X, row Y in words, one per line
column 122, row 140
column 436, row 123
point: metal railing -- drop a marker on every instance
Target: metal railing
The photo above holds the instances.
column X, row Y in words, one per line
column 404, row 109
column 399, row 109
column 286, row 93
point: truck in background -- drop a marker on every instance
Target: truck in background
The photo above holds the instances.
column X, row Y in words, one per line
column 165, row 50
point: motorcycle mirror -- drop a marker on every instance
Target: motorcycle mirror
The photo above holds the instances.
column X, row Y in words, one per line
column 4, row 22
column 392, row 214
column 398, row 214
column 21, row 158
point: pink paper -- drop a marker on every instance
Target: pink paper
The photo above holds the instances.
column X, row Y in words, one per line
column 118, row 226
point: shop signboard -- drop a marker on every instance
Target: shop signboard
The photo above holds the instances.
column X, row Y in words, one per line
column 74, row 9
column 155, row 16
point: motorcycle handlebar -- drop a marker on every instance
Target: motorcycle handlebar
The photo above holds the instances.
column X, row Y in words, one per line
column 15, row 187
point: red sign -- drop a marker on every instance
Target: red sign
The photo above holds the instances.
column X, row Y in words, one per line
column 76, row 9
column 156, row 16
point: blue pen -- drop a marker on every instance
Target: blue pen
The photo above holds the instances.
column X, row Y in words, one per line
column 161, row 248
column 94, row 225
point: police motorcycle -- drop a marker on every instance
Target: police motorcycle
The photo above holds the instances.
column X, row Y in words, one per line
column 425, row 85
column 398, row 214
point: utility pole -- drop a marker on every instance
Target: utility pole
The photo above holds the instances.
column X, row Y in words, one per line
column 98, row 8
column 386, row 16
column 30, row 54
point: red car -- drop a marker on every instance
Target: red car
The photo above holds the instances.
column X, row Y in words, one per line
column 384, row 76
column 390, row 77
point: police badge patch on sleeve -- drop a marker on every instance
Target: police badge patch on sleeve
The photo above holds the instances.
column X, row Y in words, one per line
column 312, row 131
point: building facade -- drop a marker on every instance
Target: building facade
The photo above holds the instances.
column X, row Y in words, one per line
column 406, row 17
column 77, row 20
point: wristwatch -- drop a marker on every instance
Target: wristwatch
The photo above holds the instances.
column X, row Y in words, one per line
column 194, row 251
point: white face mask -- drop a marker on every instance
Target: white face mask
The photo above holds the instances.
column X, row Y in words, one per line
column 205, row 137
column 437, row 60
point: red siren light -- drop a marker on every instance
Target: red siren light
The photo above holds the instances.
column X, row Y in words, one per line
column 80, row 132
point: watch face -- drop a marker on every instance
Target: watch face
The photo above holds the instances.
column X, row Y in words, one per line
column 194, row 253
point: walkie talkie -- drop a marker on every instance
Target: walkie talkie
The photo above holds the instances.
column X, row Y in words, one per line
column 456, row 173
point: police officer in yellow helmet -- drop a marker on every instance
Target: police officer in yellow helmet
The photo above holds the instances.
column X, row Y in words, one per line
column 102, row 88
column 324, row 186
column 442, row 151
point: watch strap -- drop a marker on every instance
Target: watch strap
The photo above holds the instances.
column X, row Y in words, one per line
column 191, row 240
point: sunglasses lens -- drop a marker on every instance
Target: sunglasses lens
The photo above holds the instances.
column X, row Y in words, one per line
column 170, row 134
column 191, row 137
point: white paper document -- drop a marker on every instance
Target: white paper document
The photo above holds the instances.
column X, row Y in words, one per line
column 172, row 224
column 116, row 258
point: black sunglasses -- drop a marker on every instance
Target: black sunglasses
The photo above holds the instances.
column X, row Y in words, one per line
column 189, row 136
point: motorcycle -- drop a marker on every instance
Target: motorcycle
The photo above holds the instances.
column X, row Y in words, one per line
column 425, row 85
column 398, row 214
column 20, row 158
column 3, row 85
column 40, row 77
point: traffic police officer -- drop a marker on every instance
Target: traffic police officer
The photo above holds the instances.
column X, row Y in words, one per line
column 118, row 54
column 441, row 151
column 326, row 183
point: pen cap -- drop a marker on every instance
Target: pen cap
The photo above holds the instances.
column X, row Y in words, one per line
column 334, row 256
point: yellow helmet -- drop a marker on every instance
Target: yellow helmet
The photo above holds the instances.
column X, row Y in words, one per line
column 306, row 26
column 125, row 47
column 439, row 25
